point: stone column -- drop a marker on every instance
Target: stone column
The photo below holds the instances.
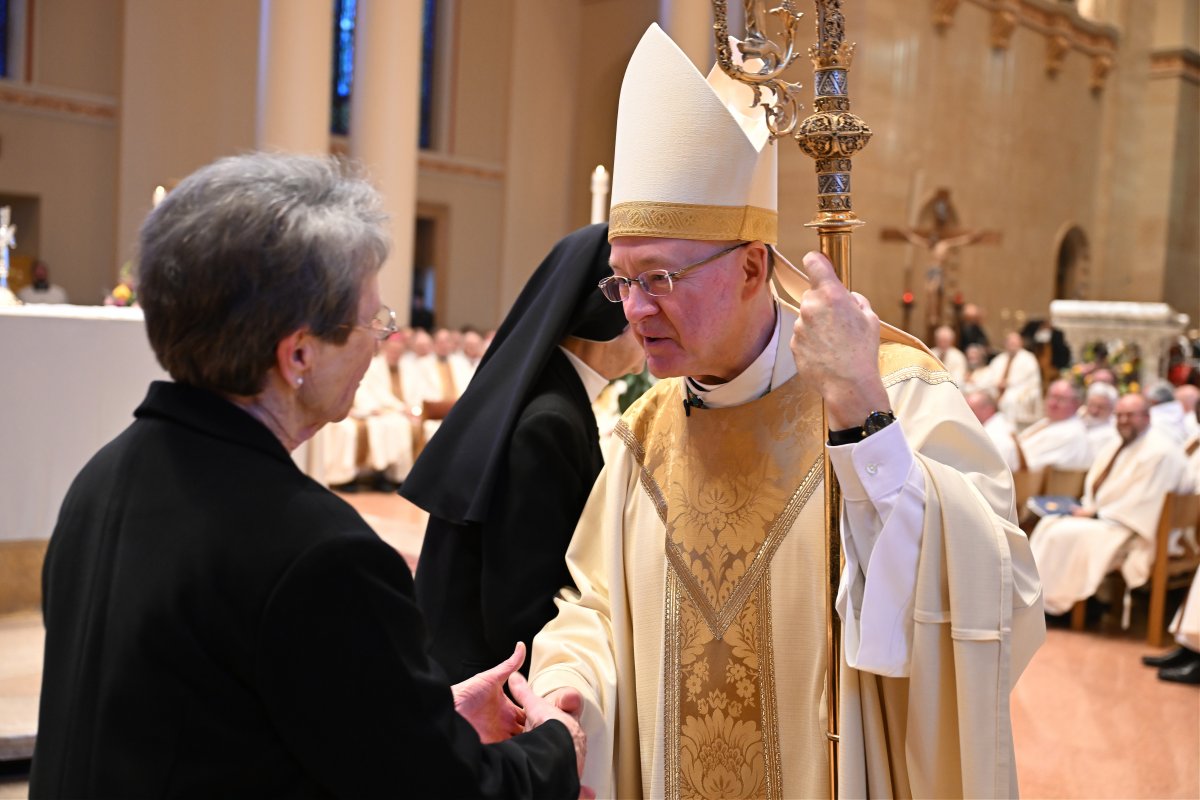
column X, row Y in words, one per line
column 689, row 23
column 295, row 65
column 384, row 117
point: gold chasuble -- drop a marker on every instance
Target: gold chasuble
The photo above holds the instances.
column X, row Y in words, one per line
column 727, row 483
column 696, row 633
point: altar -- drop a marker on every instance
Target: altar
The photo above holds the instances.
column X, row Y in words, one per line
column 70, row 378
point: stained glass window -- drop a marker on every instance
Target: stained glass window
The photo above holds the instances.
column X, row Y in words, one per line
column 343, row 67
column 428, row 39
column 4, row 39
column 343, row 63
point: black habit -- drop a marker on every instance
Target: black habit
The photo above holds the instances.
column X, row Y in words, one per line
column 219, row 625
column 508, row 473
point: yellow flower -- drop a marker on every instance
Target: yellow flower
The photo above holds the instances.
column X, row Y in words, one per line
column 122, row 293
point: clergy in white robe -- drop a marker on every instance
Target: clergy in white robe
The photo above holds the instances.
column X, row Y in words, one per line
column 1058, row 439
column 1017, row 379
column 951, row 357
column 1116, row 525
column 1097, row 416
column 996, row 425
column 376, row 436
column 695, row 635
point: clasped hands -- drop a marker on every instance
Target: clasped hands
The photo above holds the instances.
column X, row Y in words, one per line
column 835, row 344
column 481, row 700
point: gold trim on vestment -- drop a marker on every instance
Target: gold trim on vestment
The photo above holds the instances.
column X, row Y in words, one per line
column 693, row 221
column 928, row 376
column 728, row 485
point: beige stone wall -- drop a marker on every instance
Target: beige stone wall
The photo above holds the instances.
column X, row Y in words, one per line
column 1017, row 149
column 188, row 95
column 58, row 142
column 528, row 107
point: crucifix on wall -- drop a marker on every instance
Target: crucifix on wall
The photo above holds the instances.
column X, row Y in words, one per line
column 940, row 236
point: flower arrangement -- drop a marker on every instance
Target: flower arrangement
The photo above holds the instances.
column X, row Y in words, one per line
column 1118, row 363
column 124, row 293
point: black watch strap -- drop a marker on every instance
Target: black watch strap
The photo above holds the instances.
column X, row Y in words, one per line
column 846, row 436
column 875, row 422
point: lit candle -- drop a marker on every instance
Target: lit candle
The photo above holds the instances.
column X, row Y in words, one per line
column 159, row 193
column 599, row 194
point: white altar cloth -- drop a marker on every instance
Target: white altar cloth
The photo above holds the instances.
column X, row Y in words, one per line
column 70, row 378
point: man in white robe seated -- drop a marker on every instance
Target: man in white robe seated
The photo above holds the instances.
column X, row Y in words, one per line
column 1001, row 431
column 1166, row 413
column 693, row 641
column 1097, row 416
column 1017, row 379
column 1188, row 397
column 1115, row 525
column 1182, row 665
column 953, row 358
column 374, row 443
column 1058, row 439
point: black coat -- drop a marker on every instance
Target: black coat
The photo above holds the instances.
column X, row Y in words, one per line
column 485, row 586
column 218, row 625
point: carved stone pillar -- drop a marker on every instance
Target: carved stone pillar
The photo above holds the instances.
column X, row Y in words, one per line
column 689, row 23
column 384, row 117
column 295, row 65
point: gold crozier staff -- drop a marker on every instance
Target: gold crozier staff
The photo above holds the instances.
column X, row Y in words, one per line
column 830, row 136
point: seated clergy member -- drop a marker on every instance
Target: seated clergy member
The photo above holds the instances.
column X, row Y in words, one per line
column 1182, row 665
column 998, row 428
column 1097, row 416
column 373, row 445
column 1115, row 526
column 1016, row 377
column 1058, row 439
column 694, row 637
column 217, row 623
column 954, row 359
column 509, row 471
column 1167, row 414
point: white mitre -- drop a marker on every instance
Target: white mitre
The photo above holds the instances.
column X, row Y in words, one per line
column 693, row 158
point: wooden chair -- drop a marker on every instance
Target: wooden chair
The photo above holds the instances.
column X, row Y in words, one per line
column 1064, row 482
column 1180, row 511
column 1026, row 484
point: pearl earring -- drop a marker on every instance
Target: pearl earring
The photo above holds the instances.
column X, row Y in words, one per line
column 299, row 382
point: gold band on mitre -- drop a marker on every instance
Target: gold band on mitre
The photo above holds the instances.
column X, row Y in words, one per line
column 690, row 221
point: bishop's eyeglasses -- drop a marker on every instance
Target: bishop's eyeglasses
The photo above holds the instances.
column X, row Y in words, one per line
column 655, row 282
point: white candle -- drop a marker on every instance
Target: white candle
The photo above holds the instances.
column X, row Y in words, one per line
column 599, row 194
column 159, row 193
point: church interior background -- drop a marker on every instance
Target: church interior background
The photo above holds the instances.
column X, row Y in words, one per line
column 1069, row 132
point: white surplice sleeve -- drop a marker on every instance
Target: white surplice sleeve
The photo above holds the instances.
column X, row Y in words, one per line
column 884, row 494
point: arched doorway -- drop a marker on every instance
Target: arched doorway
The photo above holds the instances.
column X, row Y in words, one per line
column 1072, row 266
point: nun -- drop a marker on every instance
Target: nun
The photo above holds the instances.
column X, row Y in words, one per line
column 507, row 475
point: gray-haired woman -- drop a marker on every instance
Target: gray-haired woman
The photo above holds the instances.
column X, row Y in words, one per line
column 218, row 624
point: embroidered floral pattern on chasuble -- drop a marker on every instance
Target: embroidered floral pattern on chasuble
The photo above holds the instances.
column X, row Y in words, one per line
column 728, row 485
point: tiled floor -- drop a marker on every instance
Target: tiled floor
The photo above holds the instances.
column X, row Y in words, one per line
column 1089, row 720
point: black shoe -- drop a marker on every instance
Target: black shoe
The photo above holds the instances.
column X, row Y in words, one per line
column 382, row 483
column 1187, row 673
column 1175, row 658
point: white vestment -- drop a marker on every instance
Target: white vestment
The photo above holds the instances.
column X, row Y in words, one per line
column 956, row 364
column 1186, row 625
column 945, row 601
column 1022, row 398
column 1100, row 433
column 1074, row 554
column 1063, row 444
column 52, row 294
column 1003, row 436
column 376, row 435
column 1169, row 418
